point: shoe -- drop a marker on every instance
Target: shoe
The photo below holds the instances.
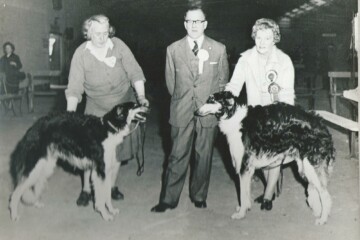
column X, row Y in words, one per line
column 266, row 205
column 116, row 194
column 260, row 198
column 200, row 204
column 84, row 199
column 161, row 207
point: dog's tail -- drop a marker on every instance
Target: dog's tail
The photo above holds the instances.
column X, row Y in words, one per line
column 27, row 152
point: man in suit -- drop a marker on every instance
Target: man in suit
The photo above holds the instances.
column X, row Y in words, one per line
column 196, row 67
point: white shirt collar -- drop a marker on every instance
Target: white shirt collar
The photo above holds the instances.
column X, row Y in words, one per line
column 108, row 44
column 199, row 41
column 110, row 61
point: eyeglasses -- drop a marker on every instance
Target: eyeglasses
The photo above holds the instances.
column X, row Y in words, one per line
column 196, row 22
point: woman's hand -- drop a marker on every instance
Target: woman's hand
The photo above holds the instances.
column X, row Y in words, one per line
column 143, row 101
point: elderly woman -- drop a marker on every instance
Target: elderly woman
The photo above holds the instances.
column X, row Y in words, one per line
column 10, row 64
column 105, row 69
column 269, row 77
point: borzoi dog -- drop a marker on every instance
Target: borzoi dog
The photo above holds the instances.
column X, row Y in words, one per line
column 83, row 141
column 268, row 136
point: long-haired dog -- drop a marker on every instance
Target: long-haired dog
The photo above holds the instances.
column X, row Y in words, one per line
column 83, row 141
column 268, row 136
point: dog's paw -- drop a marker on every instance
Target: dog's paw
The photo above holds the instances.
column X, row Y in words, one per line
column 39, row 205
column 320, row 221
column 14, row 217
column 107, row 217
column 104, row 213
column 114, row 211
column 239, row 213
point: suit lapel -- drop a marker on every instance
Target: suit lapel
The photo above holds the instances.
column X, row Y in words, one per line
column 206, row 46
column 184, row 52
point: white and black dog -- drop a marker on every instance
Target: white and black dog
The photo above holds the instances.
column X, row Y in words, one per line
column 268, row 136
column 83, row 141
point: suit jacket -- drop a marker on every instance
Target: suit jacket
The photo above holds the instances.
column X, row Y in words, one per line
column 189, row 90
column 247, row 70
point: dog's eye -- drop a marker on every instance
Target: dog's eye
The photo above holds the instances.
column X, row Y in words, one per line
column 211, row 99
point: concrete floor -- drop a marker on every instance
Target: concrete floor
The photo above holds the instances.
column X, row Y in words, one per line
column 62, row 219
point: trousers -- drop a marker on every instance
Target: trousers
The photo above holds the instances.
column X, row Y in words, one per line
column 184, row 140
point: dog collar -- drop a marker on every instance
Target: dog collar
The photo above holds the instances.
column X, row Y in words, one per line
column 110, row 125
column 113, row 127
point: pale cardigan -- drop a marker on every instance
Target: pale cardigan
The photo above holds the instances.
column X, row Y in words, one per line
column 247, row 71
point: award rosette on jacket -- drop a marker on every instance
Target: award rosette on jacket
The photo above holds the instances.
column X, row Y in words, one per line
column 203, row 56
column 273, row 87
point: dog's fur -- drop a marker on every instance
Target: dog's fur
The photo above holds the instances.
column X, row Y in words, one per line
column 83, row 141
column 269, row 136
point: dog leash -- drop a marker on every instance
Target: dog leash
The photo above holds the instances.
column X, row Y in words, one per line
column 141, row 167
column 141, row 164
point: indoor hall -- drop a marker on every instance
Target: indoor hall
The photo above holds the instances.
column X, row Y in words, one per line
column 318, row 35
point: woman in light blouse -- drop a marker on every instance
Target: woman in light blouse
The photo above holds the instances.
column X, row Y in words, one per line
column 269, row 76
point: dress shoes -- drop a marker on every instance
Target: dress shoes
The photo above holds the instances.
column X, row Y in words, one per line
column 116, row 194
column 161, row 207
column 200, row 204
column 84, row 199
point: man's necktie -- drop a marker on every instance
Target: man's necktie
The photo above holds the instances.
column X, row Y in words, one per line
column 196, row 48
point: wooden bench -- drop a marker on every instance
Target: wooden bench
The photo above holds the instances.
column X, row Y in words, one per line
column 334, row 93
column 344, row 123
column 40, row 82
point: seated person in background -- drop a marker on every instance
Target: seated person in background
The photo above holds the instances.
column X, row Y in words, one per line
column 269, row 77
column 105, row 69
column 10, row 64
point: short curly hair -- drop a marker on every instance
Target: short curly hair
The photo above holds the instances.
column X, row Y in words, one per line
column 9, row 44
column 100, row 18
column 265, row 23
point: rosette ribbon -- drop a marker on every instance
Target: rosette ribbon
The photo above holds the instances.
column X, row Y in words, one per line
column 203, row 56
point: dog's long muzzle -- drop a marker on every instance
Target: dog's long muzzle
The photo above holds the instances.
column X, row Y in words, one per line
column 208, row 108
column 142, row 113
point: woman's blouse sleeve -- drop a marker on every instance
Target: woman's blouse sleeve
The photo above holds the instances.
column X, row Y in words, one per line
column 18, row 62
column 131, row 66
column 287, row 93
column 238, row 78
column 75, row 86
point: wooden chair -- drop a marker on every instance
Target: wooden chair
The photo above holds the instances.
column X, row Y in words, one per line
column 7, row 100
column 40, row 82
